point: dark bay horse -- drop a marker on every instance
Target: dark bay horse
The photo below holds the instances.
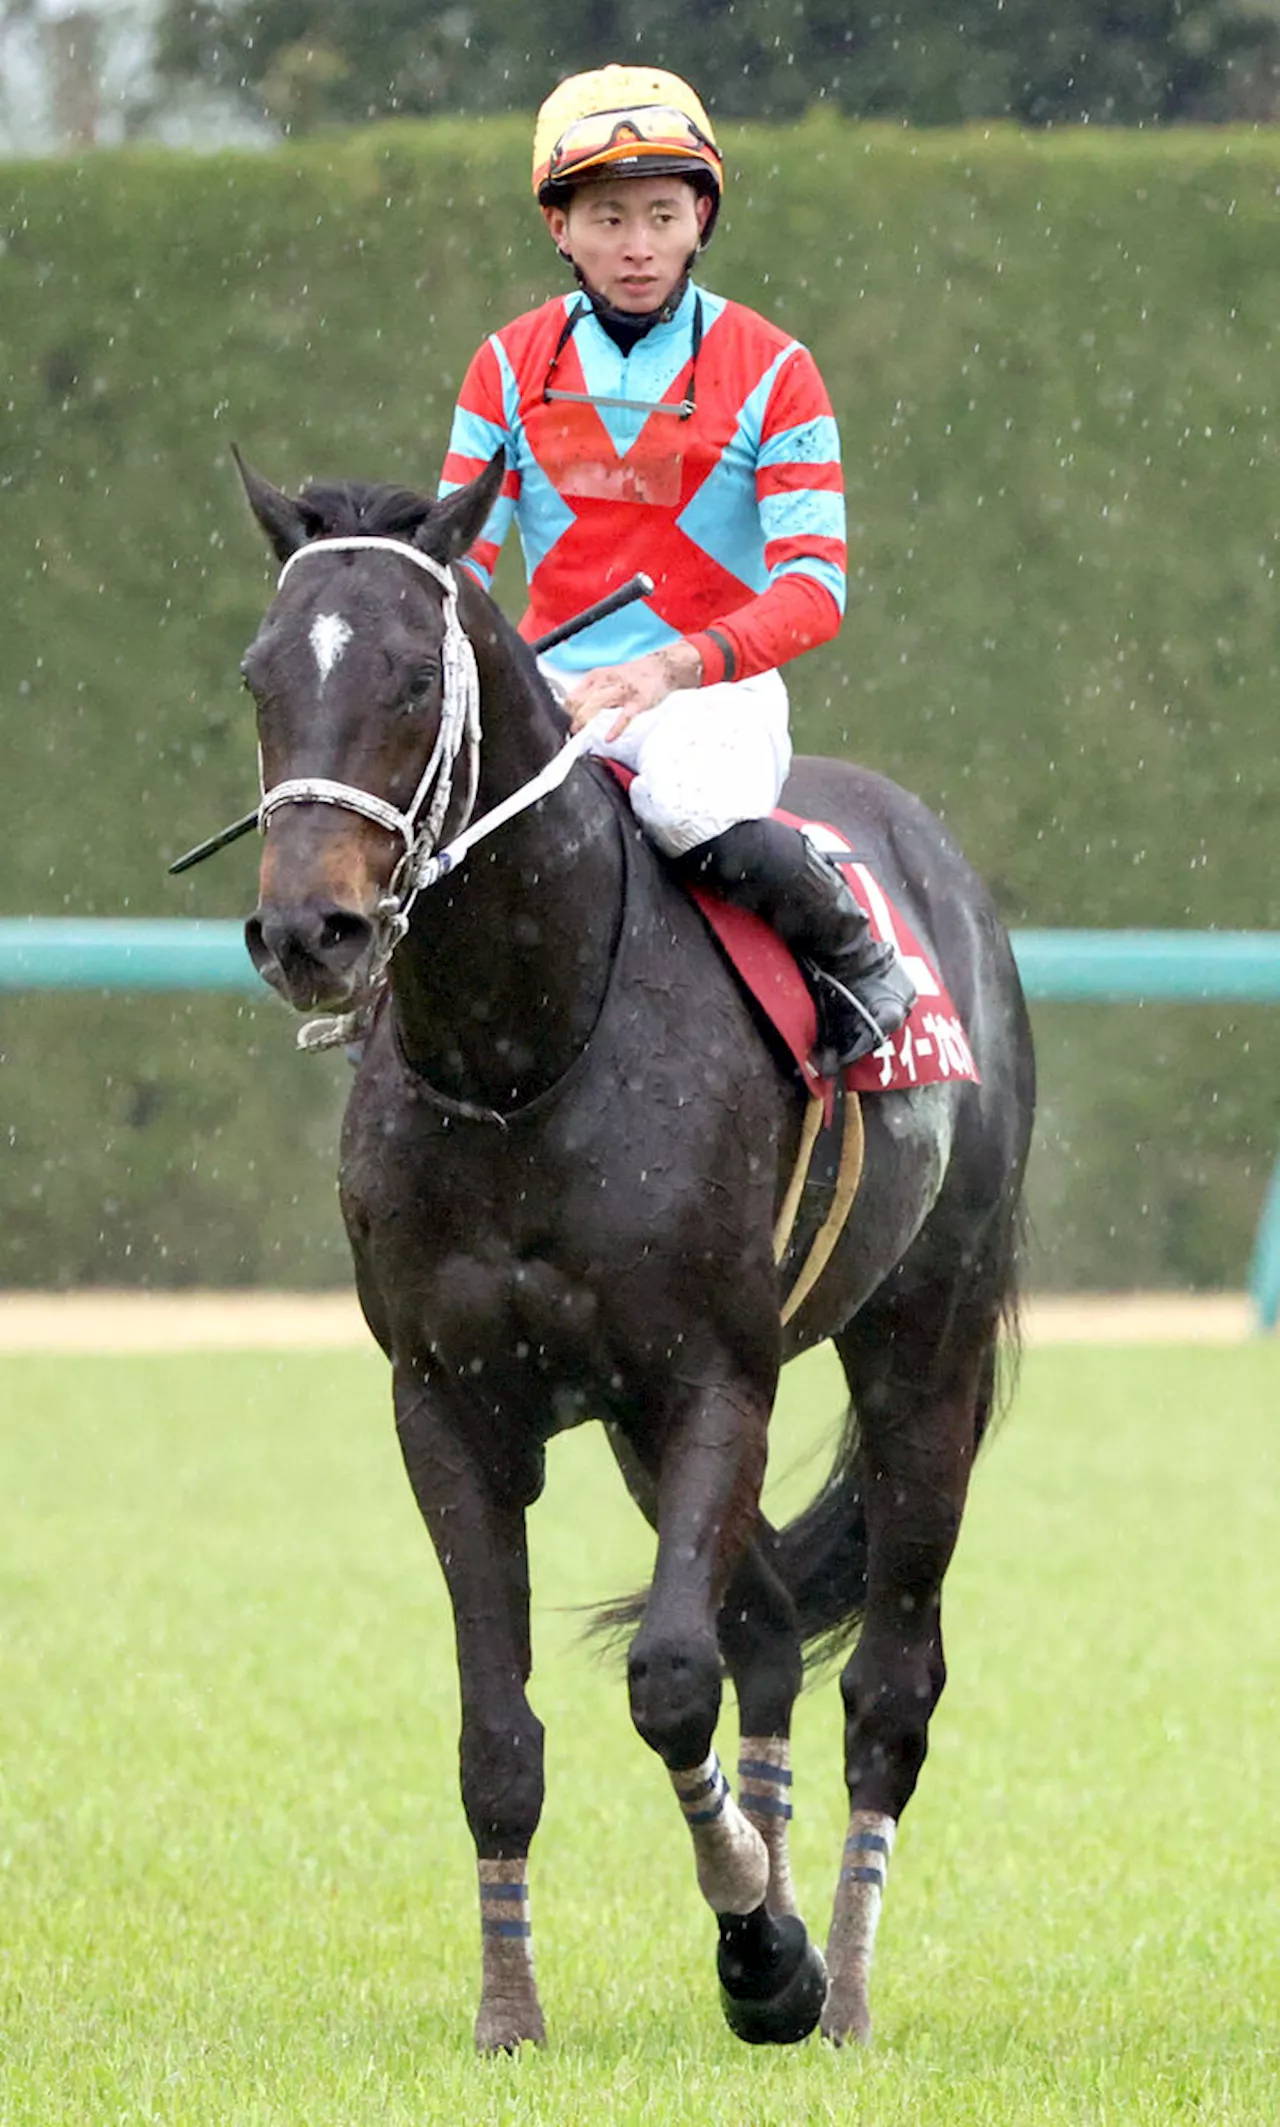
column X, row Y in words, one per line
column 560, row 1166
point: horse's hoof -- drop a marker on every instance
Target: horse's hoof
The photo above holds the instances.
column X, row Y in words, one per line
column 497, row 2032
column 775, row 1999
column 854, row 2030
column 846, row 2019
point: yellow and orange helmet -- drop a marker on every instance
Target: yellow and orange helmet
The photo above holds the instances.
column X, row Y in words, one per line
column 637, row 121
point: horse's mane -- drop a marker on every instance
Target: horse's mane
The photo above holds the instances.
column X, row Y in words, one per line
column 343, row 509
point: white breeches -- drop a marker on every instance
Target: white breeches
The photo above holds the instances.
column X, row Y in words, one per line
column 706, row 758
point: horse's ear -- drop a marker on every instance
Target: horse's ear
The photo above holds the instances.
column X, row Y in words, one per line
column 455, row 524
column 281, row 518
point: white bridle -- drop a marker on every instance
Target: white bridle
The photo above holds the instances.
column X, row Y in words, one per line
column 418, row 828
column 422, row 862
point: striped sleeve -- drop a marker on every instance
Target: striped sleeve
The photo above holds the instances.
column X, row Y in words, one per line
column 482, row 425
column 800, row 496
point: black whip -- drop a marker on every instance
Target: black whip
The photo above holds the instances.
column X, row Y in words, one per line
column 625, row 595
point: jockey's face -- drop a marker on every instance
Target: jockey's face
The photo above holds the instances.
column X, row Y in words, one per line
column 630, row 238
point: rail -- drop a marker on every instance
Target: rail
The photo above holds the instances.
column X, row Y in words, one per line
column 1112, row 966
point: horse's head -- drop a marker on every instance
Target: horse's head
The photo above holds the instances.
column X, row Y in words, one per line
column 357, row 727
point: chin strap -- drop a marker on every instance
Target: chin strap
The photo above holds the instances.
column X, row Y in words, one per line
column 639, row 322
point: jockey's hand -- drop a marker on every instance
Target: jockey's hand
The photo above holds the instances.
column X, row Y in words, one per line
column 632, row 688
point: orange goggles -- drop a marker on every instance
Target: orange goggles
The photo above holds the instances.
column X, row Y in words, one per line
column 606, row 137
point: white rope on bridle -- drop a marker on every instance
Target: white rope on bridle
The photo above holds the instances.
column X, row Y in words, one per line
column 459, row 726
column 419, row 825
column 422, row 862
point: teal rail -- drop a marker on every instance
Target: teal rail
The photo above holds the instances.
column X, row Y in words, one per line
column 1187, row 967
column 1191, row 967
column 160, row 953
column 123, row 953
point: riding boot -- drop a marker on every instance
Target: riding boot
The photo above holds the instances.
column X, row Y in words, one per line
column 861, row 988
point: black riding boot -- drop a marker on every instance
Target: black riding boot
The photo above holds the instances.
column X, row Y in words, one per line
column 862, row 990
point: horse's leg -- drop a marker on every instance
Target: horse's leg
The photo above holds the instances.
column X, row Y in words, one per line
column 760, row 1642
column 916, row 1384
column 476, row 1518
column 761, row 1646
column 772, row 1980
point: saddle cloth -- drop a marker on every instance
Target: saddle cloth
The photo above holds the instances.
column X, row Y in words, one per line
column 932, row 1045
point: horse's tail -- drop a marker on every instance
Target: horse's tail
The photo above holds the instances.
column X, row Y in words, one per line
column 821, row 1556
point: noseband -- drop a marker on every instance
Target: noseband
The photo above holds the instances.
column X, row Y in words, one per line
column 419, row 829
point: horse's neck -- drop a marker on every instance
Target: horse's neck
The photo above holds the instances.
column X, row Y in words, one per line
column 500, row 981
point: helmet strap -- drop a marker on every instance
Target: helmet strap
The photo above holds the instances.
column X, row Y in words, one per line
column 634, row 323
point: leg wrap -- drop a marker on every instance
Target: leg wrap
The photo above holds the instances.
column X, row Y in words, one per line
column 764, row 1784
column 509, row 2009
column 859, row 1896
column 731, row 1857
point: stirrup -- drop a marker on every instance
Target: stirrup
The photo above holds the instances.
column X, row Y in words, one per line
column 846, row 1046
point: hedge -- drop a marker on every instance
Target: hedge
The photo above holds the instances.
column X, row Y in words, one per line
column 1053, row 361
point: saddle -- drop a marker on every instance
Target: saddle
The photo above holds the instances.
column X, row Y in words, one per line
column 930, row 1047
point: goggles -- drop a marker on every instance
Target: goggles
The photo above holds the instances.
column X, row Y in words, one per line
column 654, row 129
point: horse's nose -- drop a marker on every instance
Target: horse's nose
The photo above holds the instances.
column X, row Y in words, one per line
column 311, row 953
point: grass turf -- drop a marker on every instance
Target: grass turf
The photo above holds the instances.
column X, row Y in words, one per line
column 235, row 1882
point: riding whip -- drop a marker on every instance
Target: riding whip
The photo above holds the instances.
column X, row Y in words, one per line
column 636, row 587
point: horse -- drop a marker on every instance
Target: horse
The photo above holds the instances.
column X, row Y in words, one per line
column 561, row 1159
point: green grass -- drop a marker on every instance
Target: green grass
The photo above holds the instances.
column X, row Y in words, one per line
column 235, row 1883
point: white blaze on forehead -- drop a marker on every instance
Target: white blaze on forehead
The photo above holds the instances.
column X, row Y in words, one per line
column 330, row 634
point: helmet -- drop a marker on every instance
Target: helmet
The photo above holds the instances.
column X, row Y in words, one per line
column 639, row 121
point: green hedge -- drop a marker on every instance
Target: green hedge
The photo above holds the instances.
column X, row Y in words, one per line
column 1052, row 358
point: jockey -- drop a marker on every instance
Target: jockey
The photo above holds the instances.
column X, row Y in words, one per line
column 651, row 425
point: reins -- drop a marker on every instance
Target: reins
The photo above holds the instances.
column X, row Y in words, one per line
column 539, row 1103
column 423, row 866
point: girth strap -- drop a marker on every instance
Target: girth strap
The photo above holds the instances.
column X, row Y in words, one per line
column 852, row 1149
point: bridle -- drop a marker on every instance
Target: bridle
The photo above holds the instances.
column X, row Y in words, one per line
column 421, row 823
column 423, row 861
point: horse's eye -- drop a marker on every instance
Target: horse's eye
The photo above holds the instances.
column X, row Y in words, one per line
column 422, row 681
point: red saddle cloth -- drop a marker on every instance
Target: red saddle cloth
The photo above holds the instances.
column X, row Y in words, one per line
column 932, row 1045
